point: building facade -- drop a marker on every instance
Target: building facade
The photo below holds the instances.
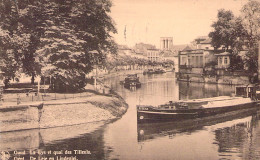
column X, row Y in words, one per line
column 191, row 58
column 171, row 56
column 153, row 55
column 223, row 60
column 202, row 42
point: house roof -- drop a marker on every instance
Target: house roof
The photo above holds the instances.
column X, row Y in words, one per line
column 223, row 54
column 123, row 47
column 187, row 48
column 202, row 37
column 153, row 49
column 169, row 54
column 178, row 47
column 206, row 41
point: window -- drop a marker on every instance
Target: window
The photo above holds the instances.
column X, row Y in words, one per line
column 201, row 61
column 225, row 60
column 220, row 60
column 197, row 61
column 192, row 61
column 183, row 60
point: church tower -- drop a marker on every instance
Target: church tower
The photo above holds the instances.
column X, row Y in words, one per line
column 166, row 43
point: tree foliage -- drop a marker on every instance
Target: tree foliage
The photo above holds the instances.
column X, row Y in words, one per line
column 239, row 33
column 250, row 14
column 20, row 24
column 56, row 38
column 223, row 30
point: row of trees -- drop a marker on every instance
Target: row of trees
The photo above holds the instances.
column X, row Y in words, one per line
column 58, row 38
column 239, row 33
column 124, row 60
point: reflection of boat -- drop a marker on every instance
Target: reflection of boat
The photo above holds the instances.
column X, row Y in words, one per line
column 147, row 131
column 197, row 108
column 132, row 80
column 154, row 71
column 159, row 70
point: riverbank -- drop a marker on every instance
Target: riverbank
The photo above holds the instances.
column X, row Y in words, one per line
column 119, row 72
column 60, row 110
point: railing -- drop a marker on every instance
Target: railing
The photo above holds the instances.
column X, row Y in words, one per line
column 20, row 98
column 185, row 66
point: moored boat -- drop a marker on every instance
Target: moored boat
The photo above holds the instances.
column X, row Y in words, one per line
column 148, row 131
column 245, row 98
column 132, row 80
column 159, row 71
column 148, row 71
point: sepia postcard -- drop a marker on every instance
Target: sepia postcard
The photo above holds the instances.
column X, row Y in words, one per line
column 129, row 79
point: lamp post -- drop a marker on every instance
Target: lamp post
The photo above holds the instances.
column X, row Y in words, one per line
column 1, row 88
column 94, row 52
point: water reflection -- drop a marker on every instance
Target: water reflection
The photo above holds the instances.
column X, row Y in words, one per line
column 84, row 137
column 232, row 136
column 201, row 90
column 181, row 140
column 239, row 140
column 150, row 131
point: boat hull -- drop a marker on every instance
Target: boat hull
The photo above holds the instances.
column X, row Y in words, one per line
column 148, row 131
column 149, row 114
column 133, row 84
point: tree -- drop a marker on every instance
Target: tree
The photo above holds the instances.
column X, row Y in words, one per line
column 73, row 30
column 21, row 21
column 57, row 37
column 250, row 14
column 239, row 33
column 236, row 62
column 8, row 59
column 223, row 33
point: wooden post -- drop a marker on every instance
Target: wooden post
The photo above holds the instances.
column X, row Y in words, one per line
column 1, row 93
column 258, row 60
column 96, row 79
column 39, row 80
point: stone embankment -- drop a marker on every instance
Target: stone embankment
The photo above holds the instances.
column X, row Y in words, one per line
column 229, row 80
column 55, row 113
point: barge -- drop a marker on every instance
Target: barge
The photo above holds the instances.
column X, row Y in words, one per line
column 132, row 80
column 246, row 98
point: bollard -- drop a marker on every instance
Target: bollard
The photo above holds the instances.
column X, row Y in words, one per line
column 18, row 99
column 40, row 107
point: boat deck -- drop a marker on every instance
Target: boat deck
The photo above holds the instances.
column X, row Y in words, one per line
column 228, row 102
column 211, row 99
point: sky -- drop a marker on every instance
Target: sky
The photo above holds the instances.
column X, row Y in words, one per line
column 184, row 20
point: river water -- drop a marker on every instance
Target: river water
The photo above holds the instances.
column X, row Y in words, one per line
column 235, row 136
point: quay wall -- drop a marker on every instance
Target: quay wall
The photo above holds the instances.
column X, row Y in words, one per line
column 230, row 80
column 19, row 117
column 62, row 113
